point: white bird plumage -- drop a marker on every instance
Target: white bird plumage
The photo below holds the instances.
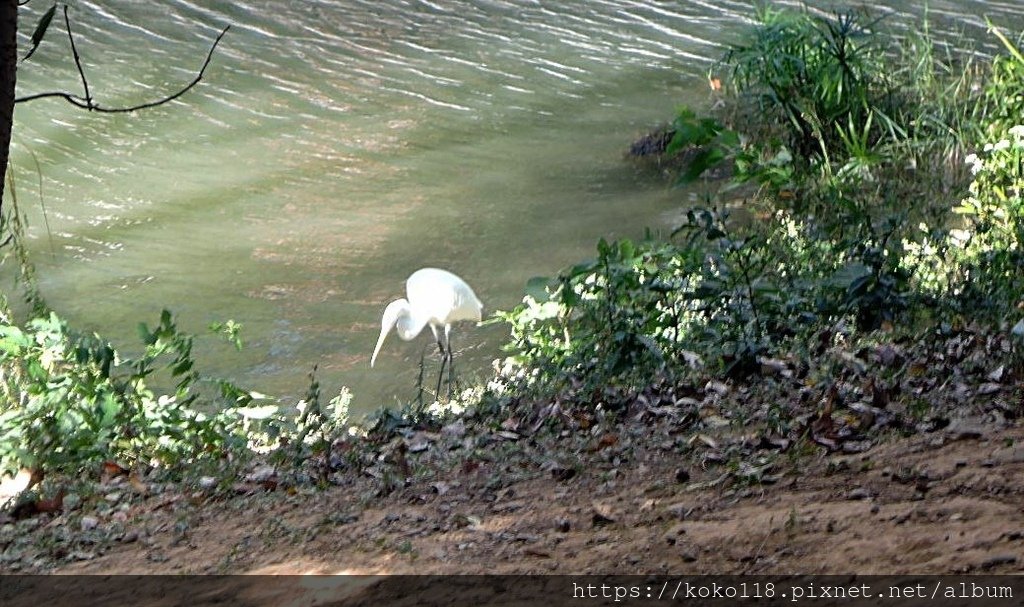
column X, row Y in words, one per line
column 435, row 298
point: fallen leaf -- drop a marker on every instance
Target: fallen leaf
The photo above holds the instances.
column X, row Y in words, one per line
column 717, row 387
column 111, row 470
column 601, row 516
column 54, row 504
column 560, row 473
column 606, row 441
column 137, row 484
column 989, row 388
column 703, row 438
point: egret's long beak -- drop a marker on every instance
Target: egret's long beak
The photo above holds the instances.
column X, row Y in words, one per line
column 385, row 328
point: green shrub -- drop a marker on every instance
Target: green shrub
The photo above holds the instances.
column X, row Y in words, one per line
column 992, row 245
column 813, row 77
column 859, row 141
column 1002, row 103
column 69, row 402
column 607, row 321
column 643, row 310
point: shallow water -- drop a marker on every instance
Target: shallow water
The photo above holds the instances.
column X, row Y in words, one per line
column 335, row 147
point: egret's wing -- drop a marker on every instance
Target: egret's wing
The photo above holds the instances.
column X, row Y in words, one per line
column 467, row 306
column 442, row 297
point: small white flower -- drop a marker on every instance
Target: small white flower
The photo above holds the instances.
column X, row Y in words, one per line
column 1002, row 144
column 975, row 162
column 1017, row 131
column 960, row 237
column 988, row 147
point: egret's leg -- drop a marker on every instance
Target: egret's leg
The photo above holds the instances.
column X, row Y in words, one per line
column 419, row 380
column 440, row 374
column 444, row 358
column 451, row 358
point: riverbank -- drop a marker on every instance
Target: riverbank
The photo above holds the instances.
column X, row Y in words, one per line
column 922, row 474
column 943, row 502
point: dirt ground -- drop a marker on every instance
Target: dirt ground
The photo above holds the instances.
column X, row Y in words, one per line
column 949, row 501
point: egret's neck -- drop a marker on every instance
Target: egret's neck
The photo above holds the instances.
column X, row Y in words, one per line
column 409, row 325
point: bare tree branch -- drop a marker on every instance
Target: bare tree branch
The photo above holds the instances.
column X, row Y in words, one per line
column 78, row 60
column 87, row 102
column 181, row 92
column 72, row 99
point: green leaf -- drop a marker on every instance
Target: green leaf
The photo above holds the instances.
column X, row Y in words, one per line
column 182, row 367
column 702, row 161
column 105, row 357
column 691, row 132
column 12, row 340
column 728, row 138
column 858, row 286
column 108, row 409
column 41, row 27
column 626, row 249
column 848, row 274
column 585, row 267
column 36, row 371
column 147, row 338
column 714, row 233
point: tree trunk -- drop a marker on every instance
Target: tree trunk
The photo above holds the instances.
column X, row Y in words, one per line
column 8, row 72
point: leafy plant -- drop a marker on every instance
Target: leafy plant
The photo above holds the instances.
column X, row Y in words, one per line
column 604, row 321
column 713, row 143
column 69, row 402
column 644, row 309
column 810, row 74
column 992, row 253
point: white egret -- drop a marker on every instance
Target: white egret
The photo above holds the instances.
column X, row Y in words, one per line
column 436, row 298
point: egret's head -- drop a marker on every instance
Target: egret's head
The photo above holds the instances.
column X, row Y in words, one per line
column 395, row 310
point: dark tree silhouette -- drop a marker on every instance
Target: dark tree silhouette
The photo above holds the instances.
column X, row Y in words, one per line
column 8, row 74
